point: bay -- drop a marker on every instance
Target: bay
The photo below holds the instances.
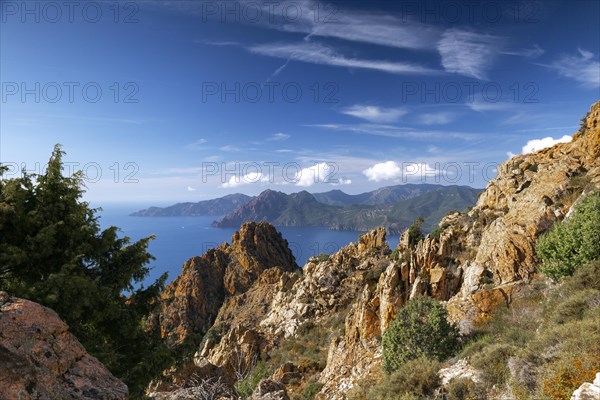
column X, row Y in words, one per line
column 181, row 238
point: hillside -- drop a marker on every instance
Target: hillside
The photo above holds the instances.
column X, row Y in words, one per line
column 382, row 196
column 316, row 333
column 220, row 206
column 303, row 209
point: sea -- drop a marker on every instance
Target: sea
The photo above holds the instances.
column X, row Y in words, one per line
column 181, row 238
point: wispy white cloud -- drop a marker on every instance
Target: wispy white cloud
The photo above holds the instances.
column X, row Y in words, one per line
column 439, row 118
column 468, row 53
column 197, row 145
column 230, row 148
column 279, row 136
column 396, row 131
column 533, row 52
column 191, row 189
column 583, row 68
column 373, row 28
column 315, row 53
column 482, row 105
column 219, row 43
column 375, row 114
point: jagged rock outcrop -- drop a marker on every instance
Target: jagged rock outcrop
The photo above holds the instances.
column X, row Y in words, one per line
column 460, row 370
column 41, row 359
column 475, row 261
column 192, row 301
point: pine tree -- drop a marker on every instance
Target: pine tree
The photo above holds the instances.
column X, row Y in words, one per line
column 52, row 251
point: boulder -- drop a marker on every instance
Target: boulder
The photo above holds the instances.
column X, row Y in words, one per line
column 41, row 359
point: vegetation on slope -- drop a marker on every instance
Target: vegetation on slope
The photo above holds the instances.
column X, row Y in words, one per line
column 420, row 329
column 543, row 345
column 573, row 242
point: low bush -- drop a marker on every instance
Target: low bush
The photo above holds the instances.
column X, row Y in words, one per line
column 573, row 242
column 414, row 379
column 492, row 361
column 563, row 377
column 420, row 329
column 464, row 389
column 246, row 386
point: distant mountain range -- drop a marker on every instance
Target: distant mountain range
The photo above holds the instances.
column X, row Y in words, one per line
column 303, row 209
column 395, row 207
column 221, row 206
column 383, row 196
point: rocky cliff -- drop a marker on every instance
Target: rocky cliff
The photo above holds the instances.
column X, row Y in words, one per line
column 40, row 359
column 192, row 301
column 335, row 310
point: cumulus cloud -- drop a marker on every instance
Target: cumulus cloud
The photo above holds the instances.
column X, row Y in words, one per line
column 252, row 177
column 391, row 170
column 582, row 68
column 319, row 173
column 538, row 144
column 383, row 171
column 191, row 189
column 374, row 113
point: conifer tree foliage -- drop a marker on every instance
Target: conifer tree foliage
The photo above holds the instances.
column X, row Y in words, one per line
column 52, row 251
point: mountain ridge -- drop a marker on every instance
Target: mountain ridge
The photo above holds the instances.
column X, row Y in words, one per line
column 390, row 206
column 219, row 206
column 303, row 209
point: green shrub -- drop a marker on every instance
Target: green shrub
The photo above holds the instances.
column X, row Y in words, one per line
column 464, row 389
column 246, row 386
column 585, row 277
column 576, row 306
column 414, row 232
column 475, row 344
column 420, row 329
column 311, row 389
column 583, row 124
column 573, row 242
column 412, row 380
column 216, row 332
column 492, row 360
column 436, row 233
column 533, row 168
column 323, row 257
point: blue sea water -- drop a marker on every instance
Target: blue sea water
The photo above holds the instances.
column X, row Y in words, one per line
column 180, row 238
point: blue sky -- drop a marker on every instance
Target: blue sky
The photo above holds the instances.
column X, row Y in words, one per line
column 164, row 101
